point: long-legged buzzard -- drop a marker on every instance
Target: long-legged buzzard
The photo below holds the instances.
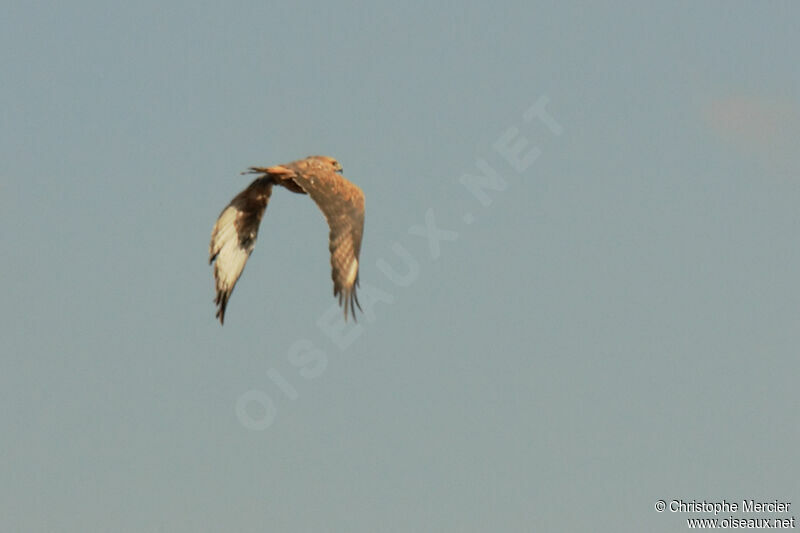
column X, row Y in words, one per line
column 342, row 203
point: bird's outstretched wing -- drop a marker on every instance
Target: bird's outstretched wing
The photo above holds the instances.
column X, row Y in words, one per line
column 234, row 237
column 342, row 203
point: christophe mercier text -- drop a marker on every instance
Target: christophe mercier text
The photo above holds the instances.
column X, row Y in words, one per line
column 747, row 506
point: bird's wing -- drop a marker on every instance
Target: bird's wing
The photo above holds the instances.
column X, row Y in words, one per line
column 234, row 236
column 342, row 203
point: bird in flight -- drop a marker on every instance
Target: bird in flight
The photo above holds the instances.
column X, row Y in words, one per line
column 235, row 232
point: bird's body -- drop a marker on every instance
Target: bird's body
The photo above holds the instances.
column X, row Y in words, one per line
column 236, row 230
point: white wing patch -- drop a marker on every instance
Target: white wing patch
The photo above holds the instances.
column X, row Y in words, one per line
column 228, row 254
column 352, row 273
column 224, row 230
column 229, row 266
column 231, row 257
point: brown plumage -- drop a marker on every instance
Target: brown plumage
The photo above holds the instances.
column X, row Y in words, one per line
column 234, row 235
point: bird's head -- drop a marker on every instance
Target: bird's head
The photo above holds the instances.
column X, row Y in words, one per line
column 327, row 161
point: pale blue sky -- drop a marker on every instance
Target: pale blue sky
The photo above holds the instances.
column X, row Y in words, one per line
column 619, row 325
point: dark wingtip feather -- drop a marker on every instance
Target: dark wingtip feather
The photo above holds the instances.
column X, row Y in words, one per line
column 222, row 302
column 352, row 307
column 349, row 299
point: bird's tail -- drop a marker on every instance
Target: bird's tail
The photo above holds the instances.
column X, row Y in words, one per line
column 278, row 169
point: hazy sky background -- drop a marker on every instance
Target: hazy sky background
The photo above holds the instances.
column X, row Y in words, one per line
column 619, row 325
